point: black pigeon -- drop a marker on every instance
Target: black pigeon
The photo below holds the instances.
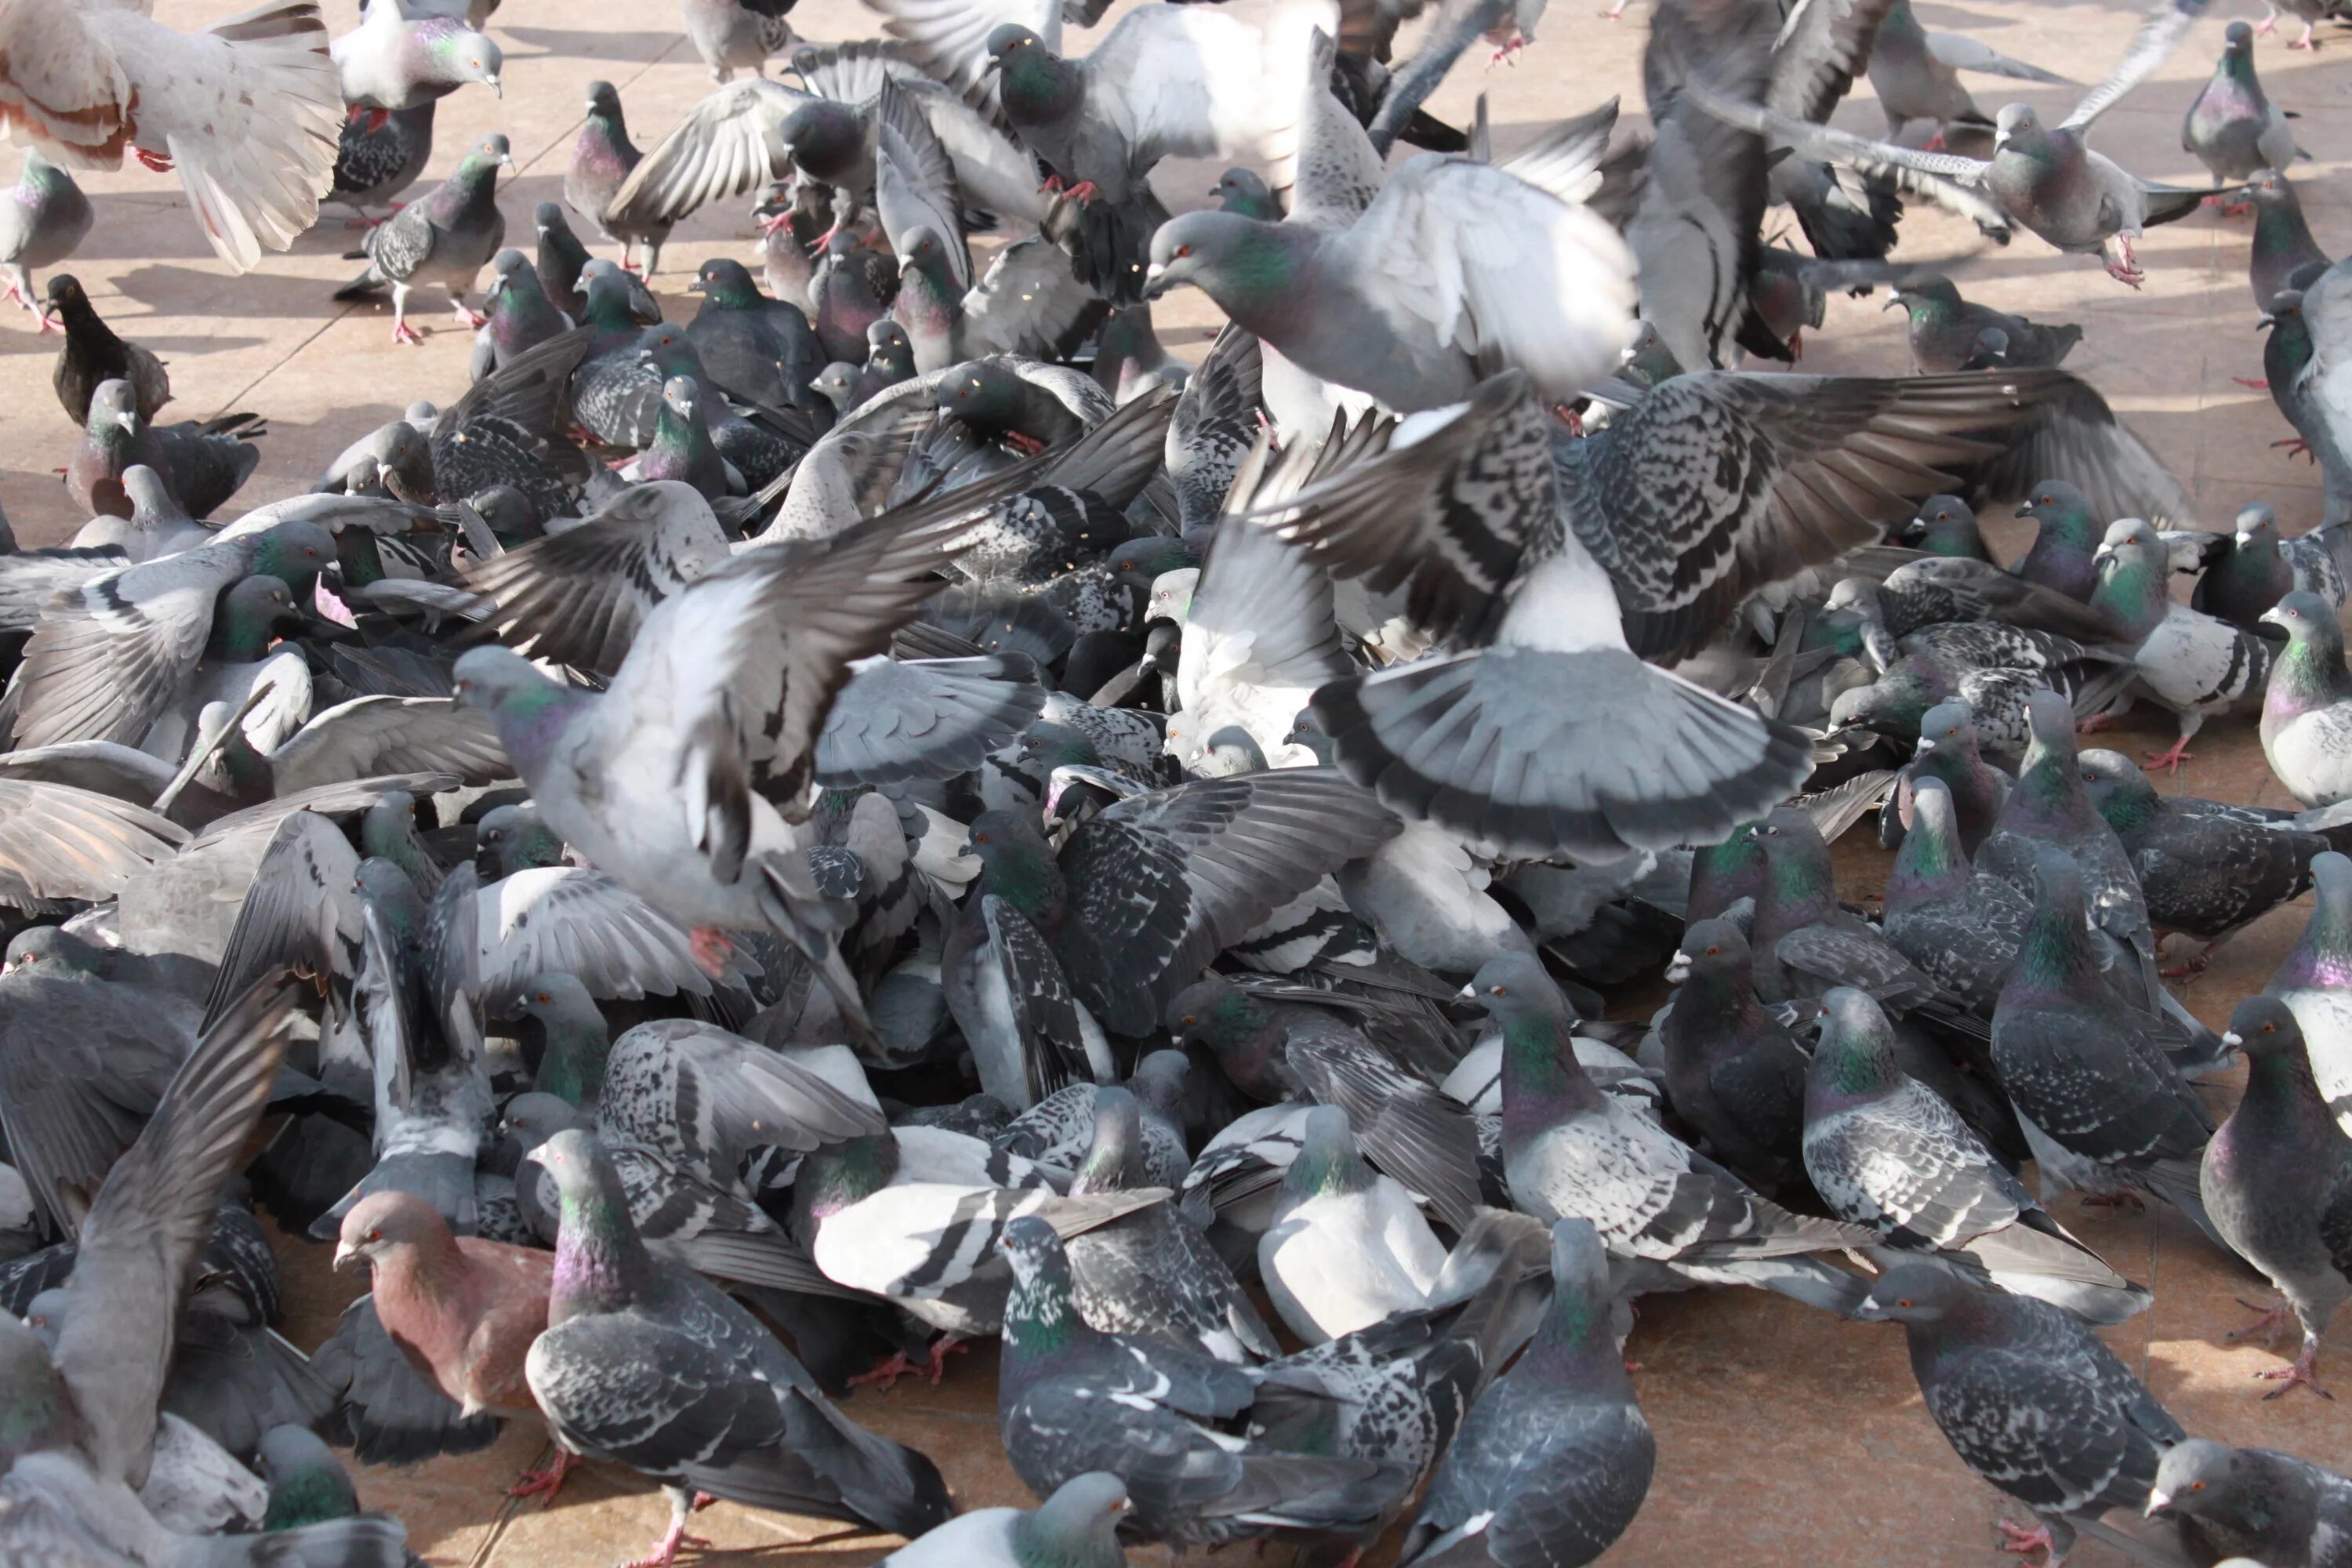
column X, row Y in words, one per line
column 1733, row 1072
column 651, row 1367
column 2031, row 1400
column 93, row 354
column 2277, row 1181
column 1885, row 1150
column 1553, row 1461
column 1070, row 1400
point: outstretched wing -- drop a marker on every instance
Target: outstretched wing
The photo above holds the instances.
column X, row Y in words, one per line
column 2158, row 36
column 730, row 142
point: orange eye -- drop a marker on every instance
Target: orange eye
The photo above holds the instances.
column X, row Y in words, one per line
column 376, row 1235
column 2197, row 1485
column 1499, row 991
column 1905, row 1302
column 1714, row 952
column 1182, row 251
column 542, row 995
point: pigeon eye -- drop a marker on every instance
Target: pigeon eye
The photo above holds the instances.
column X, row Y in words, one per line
column 2270, row 1028
column 542, row 995
column 376, row 1235
column 1499, row 991
column 1182, row 251
column 1714, row 952
column 1905, row 1302
column 2197, row 1485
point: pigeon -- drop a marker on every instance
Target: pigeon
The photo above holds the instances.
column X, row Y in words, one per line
column 1071, row 1400
column 648, row 1365
column 602, row 157
column 1733, row 1072
column 1885, row 1150
column 1551, row 1464
column 1944, row 328
column 247, row 112
column 1076, row 1527
column 2064, row 555
column 521, row 318
column 445, row 237
column 2307, row 980
column 1313, row 293
column 2283, row 247
column 464, row 1311
column 308, row 1484
column 2188, row 661
column 1152, row 1275
column 1916, row 74
column 49, row 217
column 373, row 166
column 1961, row 927
column 2100, row 1102
column 1570, row 1150
column 2277, row 1181
column 560, row 260
column 1348, row 1247
column 2260, row 568
column 1945, row 525
column 1056, row 1130
column 2205, row 868
column 2031, row 1400
column 1946, row 751
column 2042, row 178
column 400, row 56
column 737, row 35
column 200, row 464
column 93, row 355
column 2306, row 723
column 1805, row 940
column 756, row 349
column 2232, row 128
column 2232, row 1503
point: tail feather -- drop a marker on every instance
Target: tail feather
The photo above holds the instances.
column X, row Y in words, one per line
column 888, row 1484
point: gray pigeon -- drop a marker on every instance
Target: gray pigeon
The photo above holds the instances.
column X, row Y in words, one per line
column 1078, row 1526
column 1945, row 328
column 1677, row 1216
column 1070, row 1400
column 648, row 1366
column 400, row 57
column 2306, row 723
column 2313, row 980
column 2282, row 245
column 1885, row 1150
column 2191, row 662
column 445, row 237
column 2101, row 1104
column 45, row 219
column 2235, row 1502
column 2232, row 128
column 1554, row 1459
column 2277, row 1181
column 737, row 35
column 2260, row 568
column 2031, row 1400
column 1946, row 751
column 1916, row 74
column 1958, row 925
column 2044, row 179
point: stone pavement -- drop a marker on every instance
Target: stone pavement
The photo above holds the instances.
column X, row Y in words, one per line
column 1784, row 1437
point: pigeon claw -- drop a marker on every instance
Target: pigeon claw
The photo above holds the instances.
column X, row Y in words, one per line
column 2024, row 1542
column 2172, row 757
column 546, row 1483
column 2296, row 446
column 673, row 1541
column 1027, row 446
column 1509, row 53
column 2267, row 1321
column 159, row 162
column 2122, row 265
column 401, row 332
column 1085, row 192
column 2251, row 385
column 711, row 951
column 2296, row 1373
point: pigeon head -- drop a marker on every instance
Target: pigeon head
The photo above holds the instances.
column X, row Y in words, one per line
column 1944, row 525
column 308, row 1485
column 2257, row 525
column 1952, row 723
column 825, row 139
column 2059, row 509
column 727, row 284
column 294, row 552
column 984, row 395
column 2133, row 568
column 1541, row 1077
column 2309, row 673
column 1915, row 1293
column 604, row 100
column 1896, row 701
column 1243, row 191
column 1327, row 1163
column 2118, row 789
column 114, row 406
column 1796, row 858
column 531, row 1119
column 486, row 157
column 839, row 1174
column 152, row 499
column 1990, row 350
column 2199, row 1478
column 1159, row 1082
column 2265, row 1028
column 886, row 337
column 528, row 710
column 2019, row 128
column 1854, row 1058
column 572, row 1067
column 36, row 1409
column 2238, row 41
column 1039, row 1316
column 511, row 838
column 1215, row 1013
column 678, row 394
column 1709, row 948
column 2054, row 959
column 53, row 950
column 1114, row 1162
column 464, row 54
column 921, row 250
column 381, row 1224
column 66, row 297
column 1242, row 263
column 1010, row 39
column 1577, row 1320
column 834, row 384
column 547, row 218
column 1017, row 865
column 600, row 1261
column 1078, row 1526
column 1139, row 564
column 1931, row 861
column 1229, row 754
column 246, row 616
column 1722, row 874
column 1931, row 296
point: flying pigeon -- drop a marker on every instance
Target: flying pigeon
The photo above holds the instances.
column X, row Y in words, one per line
column 1916, row 74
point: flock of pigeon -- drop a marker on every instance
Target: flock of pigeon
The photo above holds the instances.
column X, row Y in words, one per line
column 897, row 812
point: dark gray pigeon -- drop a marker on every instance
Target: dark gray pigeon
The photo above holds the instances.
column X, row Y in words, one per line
column 1885, row 1150
column 2316, row 980
column 1946, row 751
column 1733, row 1072
column 1944, row 329
column 1553, row 1461
column 648, row 1366
column 2282, row 244
column 2251, row 1504
column 2031, row 1400
column 2277, row 1181
column 1070, row 1400
column 2259, row 568
column 446, row 236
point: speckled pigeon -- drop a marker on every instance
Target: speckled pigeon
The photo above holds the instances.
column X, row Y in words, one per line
column 1958, row 925
column 2234, row 1502
column 446, row 236
column 2206, row 866
column 2189, row 662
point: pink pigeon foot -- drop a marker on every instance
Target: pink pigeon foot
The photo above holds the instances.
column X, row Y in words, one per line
column 711, row 950
column 2172, row 756
column 886, row 1372
column 1052, row 186
column 2188, row 969
column 774, row 221
column 1508, row 54
column 674, row 1540
column 2306, row 41
column 2267, row 25
column 475, row 321
column 1027, row 446
column 2024, row 1543
column 1085, row 192
column 2262, row 385
column 2296, row 1373
column 1935, row 143
column 401, row 332
column 159, row 162
column 2267, row 1321
column 2296, row 446
column 546, row 1483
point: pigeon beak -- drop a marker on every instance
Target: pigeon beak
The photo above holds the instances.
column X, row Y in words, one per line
column 1926, row 744
column 1893, row 297
column 2158, row 1500
column 1467, row 993
column 991, row 66
column 345, row 1256
column 2025, row 509
column 2232, row 1040
column 1156, row 281
column 695, row 287
column 2271, row 618
column 1678, row 968
column 498, row 90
